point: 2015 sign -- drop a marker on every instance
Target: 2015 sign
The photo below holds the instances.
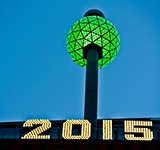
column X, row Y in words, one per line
column 131, row 127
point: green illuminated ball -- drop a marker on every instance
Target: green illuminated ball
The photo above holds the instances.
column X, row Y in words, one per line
column 97, row 30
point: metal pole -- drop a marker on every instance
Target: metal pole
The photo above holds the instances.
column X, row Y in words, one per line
column 90, row 112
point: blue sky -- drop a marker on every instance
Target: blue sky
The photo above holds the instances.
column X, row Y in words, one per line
column 38, row 79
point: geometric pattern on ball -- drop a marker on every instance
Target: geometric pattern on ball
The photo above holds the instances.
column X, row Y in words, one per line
column 97, row 30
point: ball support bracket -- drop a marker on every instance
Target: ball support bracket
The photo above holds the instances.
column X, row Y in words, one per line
column 91, row 90
column 90, row 46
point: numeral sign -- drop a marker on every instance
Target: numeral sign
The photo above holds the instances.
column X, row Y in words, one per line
column 136, row 130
